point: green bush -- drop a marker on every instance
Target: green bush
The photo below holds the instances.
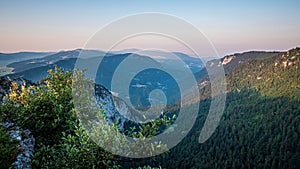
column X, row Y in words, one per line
column 8, row 149
column 47, row 110
column 74, row 151
column 149, row 167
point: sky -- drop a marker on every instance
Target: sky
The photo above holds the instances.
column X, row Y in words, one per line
column 231, row 26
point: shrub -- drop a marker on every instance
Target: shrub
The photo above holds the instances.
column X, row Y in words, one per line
column 46, row 110
column 8, row 149
column 74, row 151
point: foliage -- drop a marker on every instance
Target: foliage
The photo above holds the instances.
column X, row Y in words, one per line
column 63, row 141
column 8, row 149
column 74, row 151
column 46, row 110
column 148, row 167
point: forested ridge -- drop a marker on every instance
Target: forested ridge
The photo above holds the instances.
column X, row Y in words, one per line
column 275, row 76
column 255, row 132
column 260, row 125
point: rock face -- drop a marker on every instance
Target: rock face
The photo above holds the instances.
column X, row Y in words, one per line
column 26, row 144
column 125, row 110
column 116, row 110
column 105, row 102
column 227, row 59
column 25, row 138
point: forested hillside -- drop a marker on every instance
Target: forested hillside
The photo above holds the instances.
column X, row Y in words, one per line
column 276, row 76
column 260, row 126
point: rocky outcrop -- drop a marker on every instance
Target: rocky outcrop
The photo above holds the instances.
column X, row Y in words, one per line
column 26, row 144
column 24, row 137
column 116, row 110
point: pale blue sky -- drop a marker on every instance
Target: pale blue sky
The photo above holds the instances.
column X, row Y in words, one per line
column 232, row 26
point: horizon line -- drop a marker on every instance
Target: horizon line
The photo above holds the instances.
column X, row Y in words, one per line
column 73, row 49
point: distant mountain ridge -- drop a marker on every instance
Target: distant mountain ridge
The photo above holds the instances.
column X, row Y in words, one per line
column 26, row 64
column 274, row 74
column 230, row 62
column 51, row 59
column 143, row 83
column 6, row 58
